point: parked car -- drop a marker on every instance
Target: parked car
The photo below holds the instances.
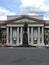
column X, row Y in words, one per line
column 47, row 46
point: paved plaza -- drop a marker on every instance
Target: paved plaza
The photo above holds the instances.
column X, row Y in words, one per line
column 24, row 56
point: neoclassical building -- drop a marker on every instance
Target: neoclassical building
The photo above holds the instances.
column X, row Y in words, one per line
column 37, row 31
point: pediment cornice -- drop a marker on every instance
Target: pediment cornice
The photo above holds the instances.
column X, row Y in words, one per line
column 25, row 17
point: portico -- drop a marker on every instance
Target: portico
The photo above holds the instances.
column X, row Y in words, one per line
column 13, row 33
column 35, row 34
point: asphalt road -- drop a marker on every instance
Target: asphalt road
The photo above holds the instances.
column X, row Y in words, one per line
column 24, row 56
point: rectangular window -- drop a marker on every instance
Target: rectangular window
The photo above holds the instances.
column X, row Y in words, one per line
column 35, row 34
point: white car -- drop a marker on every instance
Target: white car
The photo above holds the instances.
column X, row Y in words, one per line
column 47, row 46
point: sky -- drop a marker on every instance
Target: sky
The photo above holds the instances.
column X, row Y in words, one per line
column 20, row 7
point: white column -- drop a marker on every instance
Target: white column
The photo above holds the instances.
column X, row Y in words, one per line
column 17, row 36
column 42, row 36
column 7, row 36
column 10, row 35
column 28, row 35
column 31, row 35
column 38, row 36
column 21, row 36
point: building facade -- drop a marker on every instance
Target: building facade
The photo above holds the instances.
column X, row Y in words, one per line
column 37, row 31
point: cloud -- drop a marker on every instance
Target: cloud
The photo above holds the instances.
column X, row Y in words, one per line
column 3, row 18
column 4, row 12
column 38, row 7
column 44, row 7
column 46, row 18
column 34, row 5
column 31, row 14
column 31, row 3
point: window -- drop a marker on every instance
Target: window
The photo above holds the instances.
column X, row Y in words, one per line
column 14, row 33
column 35, row 34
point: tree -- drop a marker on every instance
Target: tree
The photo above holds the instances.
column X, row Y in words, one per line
column 0, row 34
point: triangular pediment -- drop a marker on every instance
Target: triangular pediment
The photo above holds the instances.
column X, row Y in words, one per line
column 25, row 18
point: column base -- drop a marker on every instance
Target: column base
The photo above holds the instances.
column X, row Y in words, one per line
column 38, row 44
column 41, row 44
column 8, row 45
column 31, row 44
